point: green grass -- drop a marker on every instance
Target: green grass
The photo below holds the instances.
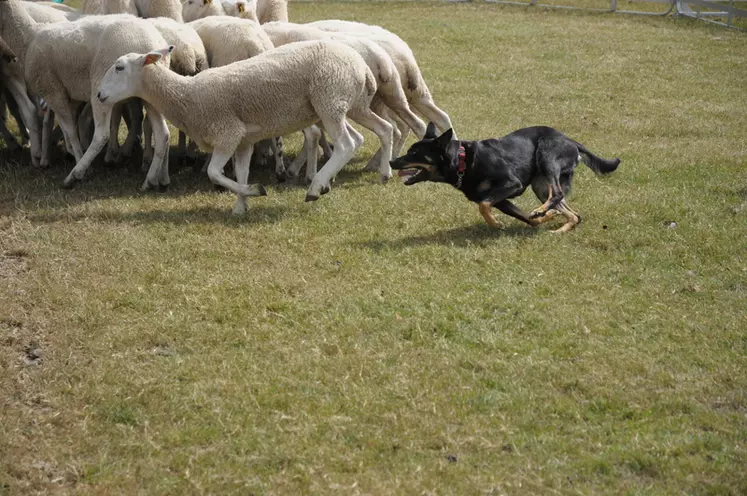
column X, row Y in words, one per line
column 384, row 340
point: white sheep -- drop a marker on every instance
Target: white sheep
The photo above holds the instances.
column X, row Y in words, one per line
column 64, row 63
column 144, row 8
column 228, row 109
column 246, row 9
column 44, row 12
column 417, row 92
column 272, row 10
column 260, row 10
column 228, row 40
column 389, row 92
column 198, row 9
column 188, row 58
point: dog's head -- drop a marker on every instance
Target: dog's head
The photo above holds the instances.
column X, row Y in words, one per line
column 426, row 160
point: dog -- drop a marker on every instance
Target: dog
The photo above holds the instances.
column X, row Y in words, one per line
column 490, row 172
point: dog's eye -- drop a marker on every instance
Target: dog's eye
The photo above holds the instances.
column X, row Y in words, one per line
column 119, row 68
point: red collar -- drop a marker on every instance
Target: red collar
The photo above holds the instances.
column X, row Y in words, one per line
column 462, row 160
column 462, row 166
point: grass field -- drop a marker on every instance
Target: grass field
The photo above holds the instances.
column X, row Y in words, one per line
column 384, row 340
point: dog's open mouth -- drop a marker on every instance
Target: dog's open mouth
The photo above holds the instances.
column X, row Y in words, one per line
column 412, row 175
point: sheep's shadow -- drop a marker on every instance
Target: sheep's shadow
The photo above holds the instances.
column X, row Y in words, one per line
column 218, row 214
column 478, row 234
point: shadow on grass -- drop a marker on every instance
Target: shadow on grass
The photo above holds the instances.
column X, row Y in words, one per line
column 472, row 235
column 27, row 188
column 219, row 214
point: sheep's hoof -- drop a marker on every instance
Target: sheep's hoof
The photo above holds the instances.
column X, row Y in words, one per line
column 310, row 198
column 281, row 176
column 69, row 182
column 162, row 188
column 384, row 179
column 255, row 190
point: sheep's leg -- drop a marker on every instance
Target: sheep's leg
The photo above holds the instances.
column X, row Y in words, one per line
column 310, row 145
column 158, row 174
column 102, row 115
column 312, row 155
column 182, row 148
column 218, row 161
column 85, row 125
column 381, row 128
column 112, row 151
column 295, row 167
column 10, row 140
column 29, row 117
column 375, row 161
column 326, row 148
column 65, row 114
column 147, row 145
column 47, row 128
column 242, row 162
column 16, row 113
column 343, row 152
column 427, row 107
column 134, row 127
column 276, row 146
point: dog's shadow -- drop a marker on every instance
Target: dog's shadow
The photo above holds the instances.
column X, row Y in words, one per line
column 477, row 234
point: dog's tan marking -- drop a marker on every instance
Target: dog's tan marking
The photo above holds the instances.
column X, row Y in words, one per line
column 486, row 209
column 545, row 206
column 573, row 219
column 541, row 220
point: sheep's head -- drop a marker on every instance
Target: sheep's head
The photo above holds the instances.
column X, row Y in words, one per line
column 124, row 78
column 245, row 9
column 195, row 9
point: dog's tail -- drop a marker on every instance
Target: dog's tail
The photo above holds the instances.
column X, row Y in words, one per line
column 597, row 164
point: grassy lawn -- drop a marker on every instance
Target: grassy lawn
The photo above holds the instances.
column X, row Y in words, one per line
column 384, row 339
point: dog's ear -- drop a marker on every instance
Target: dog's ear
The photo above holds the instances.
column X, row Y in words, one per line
column 444, row 140
column 430, row 131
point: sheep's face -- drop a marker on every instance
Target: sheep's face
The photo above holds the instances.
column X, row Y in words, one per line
column 124, row 78
column 120, row 81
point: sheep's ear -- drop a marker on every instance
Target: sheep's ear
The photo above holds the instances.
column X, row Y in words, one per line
column 206, row 2
column 445, row 138
column 156, row 55
column 241, row 6
column 430, row 131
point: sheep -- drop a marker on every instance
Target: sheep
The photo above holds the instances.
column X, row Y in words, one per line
column 17, row 28
column 64, row 63
column 416, row 90
column 188, row 58
column 92, row 7
column 7, row 56
column 228, row 40
column 246, row 9
column 228, row 109
column 144, row 8
column 272, row 10
column 198, row 9
column 43, row 13
column 389, row 87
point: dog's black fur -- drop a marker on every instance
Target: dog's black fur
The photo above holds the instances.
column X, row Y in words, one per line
column 499, row 169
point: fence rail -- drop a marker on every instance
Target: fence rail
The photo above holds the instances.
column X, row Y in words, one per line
column 705, row 10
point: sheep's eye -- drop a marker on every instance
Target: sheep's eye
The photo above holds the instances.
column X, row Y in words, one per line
column 119, row 68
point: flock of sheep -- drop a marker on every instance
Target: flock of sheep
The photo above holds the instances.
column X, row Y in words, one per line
column 229, row 74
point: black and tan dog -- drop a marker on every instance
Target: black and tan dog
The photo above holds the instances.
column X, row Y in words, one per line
column 491, row 171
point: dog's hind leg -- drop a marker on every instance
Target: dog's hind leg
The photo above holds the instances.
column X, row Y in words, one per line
column 573, row 218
